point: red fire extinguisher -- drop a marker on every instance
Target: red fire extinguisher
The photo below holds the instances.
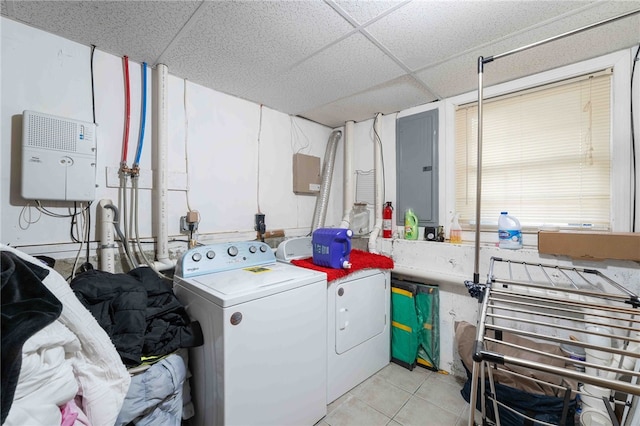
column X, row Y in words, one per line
column 387, row 215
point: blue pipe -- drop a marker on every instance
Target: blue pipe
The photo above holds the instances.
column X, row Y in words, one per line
column 144, row 114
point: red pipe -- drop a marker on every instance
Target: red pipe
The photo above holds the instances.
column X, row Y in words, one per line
column 125, row 142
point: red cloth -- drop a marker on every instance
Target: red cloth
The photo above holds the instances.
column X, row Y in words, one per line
column 359, row 260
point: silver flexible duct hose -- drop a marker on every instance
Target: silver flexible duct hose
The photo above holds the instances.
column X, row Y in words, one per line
column 320, row 213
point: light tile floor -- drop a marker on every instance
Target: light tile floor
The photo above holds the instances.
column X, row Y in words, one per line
column 396, row 396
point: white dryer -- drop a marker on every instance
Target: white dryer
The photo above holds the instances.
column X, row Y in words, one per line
column 263, row 360
column 358, row 322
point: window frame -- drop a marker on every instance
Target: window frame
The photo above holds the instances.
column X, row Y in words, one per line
column 620, row 136
column 557, row 108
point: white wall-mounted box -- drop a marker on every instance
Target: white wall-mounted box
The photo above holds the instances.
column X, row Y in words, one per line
column 306, row 174
column 58, row 158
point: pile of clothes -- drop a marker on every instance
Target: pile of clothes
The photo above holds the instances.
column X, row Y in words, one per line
column 139, row 312
column 107, row 349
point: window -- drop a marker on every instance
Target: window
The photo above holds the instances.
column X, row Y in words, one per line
column 546, row 155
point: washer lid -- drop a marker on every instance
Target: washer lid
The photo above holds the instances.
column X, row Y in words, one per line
column 229, row 288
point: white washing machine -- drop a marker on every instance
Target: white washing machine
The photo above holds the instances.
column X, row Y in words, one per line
column 263, row 360
column 358, row 322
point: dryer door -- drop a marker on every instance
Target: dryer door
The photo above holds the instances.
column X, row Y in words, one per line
column 360, row 310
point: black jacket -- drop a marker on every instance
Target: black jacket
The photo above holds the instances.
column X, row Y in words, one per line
column 139, row 311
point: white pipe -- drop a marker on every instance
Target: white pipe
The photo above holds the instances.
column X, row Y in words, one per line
column 347, row 197
column 377, row 207
column 107, row 239
column 160, row 177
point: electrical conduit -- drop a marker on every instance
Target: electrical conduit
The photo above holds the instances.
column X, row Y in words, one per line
column 377, row 207
column 320, row 213
column 347, row 198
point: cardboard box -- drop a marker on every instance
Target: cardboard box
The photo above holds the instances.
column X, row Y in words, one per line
column 590, row 245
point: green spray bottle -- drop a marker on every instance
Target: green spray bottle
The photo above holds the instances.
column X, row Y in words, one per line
column 410, row 225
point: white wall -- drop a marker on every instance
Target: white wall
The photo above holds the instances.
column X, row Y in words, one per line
column 46, row 73
column 227, row 164
column 450, row 265
column 364, row 144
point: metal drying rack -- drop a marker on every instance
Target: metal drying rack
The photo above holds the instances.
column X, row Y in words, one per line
column 550, row 298
column 558, row 305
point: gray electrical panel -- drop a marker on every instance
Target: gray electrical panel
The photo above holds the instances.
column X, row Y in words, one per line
column 417, row 167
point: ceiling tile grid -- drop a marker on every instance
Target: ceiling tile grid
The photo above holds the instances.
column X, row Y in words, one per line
column 459, row 74
column 140, row 30
column 390, row 97
column 432, row 31
column 363, row 11
column 337, row 60
column 347, row 67
column 236, row 47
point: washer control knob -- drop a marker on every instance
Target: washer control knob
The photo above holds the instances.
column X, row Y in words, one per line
column 236, row 318
column 232, row 251
column 211, row 254
column 263, row 249
column 196, row 257
column 253, row 249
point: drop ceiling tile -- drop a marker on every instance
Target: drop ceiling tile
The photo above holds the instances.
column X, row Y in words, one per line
column 345, row 68
column 363, row 11
column 427, row 32
column 138, row 29
column 452, row 77
column 387, row 98
column 303, row 57
column 616, row 33
column 566, row 51
column 459, row 75
column 235, row 47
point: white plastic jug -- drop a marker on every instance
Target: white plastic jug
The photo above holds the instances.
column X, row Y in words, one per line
column 509, row 232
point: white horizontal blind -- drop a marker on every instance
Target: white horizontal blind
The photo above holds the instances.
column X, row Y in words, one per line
column 545, row 155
